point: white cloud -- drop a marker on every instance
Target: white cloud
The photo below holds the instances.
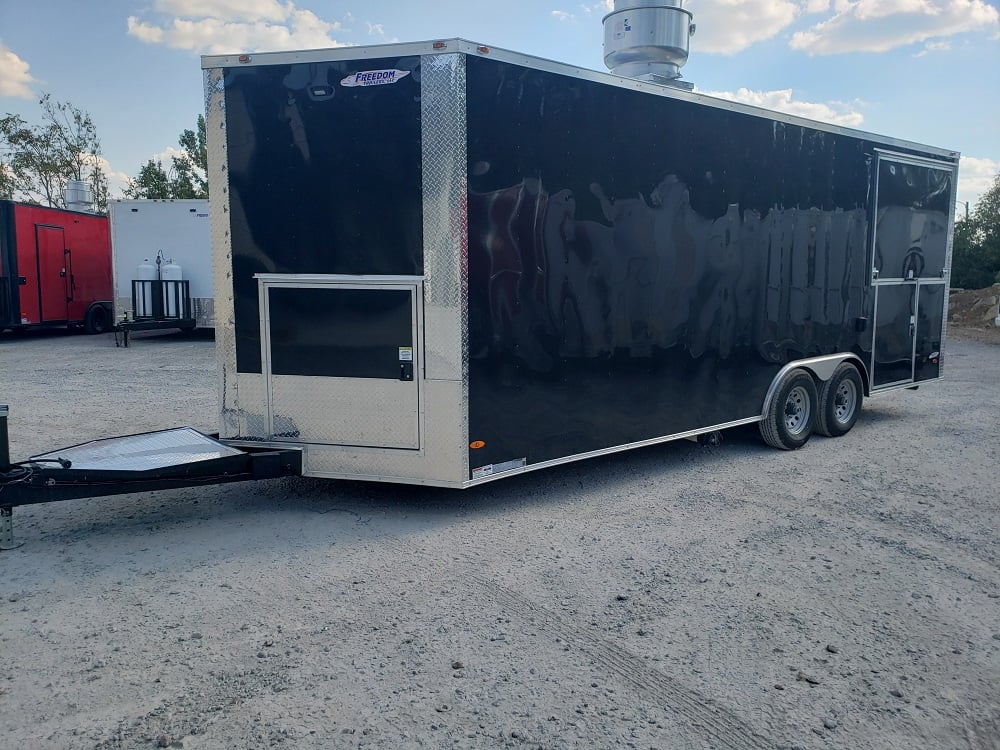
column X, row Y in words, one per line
column 933, row 47
column 782, row 100
column 166, row 156
column 882, row 25
column 230, row 10
column 15, row 80
column 975, row 176
column 117, row 181
column 603, row 8
column 816, row 6
column 224, row 26
column 144, row 31
column 377, row 30
column 726, row 27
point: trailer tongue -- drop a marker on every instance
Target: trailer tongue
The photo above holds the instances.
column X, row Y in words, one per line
column 166, row 459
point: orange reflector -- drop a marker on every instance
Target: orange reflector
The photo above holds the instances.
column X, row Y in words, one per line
column 440, row 45
column 477, row 444
column 483, row 50
column 244, row 58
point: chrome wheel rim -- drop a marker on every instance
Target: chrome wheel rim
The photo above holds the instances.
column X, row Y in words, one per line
column 797, row 410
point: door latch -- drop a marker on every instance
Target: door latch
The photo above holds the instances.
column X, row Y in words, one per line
column 406, row 371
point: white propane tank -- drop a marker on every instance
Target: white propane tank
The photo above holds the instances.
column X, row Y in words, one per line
column 146, row 270
column 171, row 273
column 146, row 273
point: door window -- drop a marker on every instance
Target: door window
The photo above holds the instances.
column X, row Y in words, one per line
column 340, row 332
column 912, row 215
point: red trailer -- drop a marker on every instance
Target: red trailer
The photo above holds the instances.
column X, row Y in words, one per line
column 55, row 268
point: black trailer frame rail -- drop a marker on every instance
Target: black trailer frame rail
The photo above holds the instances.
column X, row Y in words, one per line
column 35, row 481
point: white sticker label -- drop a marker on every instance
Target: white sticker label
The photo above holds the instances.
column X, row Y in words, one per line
column 405, row 354
column 490, row 469
column 374, row 77
column 482, row 471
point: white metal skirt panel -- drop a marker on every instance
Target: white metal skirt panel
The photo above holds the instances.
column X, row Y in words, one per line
column 442, row 460
column 345, row 411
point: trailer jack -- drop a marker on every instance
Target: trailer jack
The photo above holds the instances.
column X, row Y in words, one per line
column 165, row 459
column 7, row 530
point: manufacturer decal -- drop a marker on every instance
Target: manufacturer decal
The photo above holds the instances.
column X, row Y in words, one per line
column 406, row 354
column 374, row 77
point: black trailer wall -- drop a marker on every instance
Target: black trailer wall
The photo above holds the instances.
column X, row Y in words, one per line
column 642, row 266
column 324, row 179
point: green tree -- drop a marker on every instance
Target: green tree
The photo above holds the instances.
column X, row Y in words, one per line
column 39, row 159
column 152, row 182
column 190, row 169
column 976, row 246
column 187, row 176
column 76, row 137
column 35, row 168
column 6, row 180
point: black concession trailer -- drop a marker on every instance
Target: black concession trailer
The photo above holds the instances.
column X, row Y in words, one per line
column 445, row 263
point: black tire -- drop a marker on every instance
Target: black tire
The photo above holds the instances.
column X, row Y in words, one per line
column 791, row 415
column 840, row 400
column 96, row 320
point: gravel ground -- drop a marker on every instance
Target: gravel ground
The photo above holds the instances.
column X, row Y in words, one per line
column 841, row 596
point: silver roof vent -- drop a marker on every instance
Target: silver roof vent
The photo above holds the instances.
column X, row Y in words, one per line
column 648, row 40
column 78, row 196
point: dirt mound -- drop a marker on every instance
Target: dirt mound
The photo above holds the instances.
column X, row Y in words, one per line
column 974, row 308
column 972, row 313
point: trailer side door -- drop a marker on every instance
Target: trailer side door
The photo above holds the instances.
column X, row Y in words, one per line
column 913, row 213
column 54, row 277
column 342, row 357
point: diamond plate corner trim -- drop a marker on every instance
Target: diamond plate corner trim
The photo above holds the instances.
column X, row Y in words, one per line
column 230, row 422
column 446, row 243
column 443, row 138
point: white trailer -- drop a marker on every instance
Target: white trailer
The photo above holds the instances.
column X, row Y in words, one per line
column 162, row 264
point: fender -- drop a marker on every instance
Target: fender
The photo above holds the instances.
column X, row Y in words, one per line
column 821, row 368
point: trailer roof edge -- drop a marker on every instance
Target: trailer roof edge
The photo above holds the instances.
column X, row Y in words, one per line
column 464, row 46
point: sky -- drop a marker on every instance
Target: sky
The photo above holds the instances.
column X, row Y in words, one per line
column 921, row 70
